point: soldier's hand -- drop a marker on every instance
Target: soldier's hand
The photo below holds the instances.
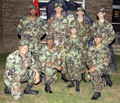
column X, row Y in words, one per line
column 58, row 68
column 92, row 69
column 17, row 88
column 48, row 64
column 37, row 78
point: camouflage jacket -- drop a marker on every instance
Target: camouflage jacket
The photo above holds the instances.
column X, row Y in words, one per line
column 57, row 28
column 74, row 49
column 16, row 67
column 32, row 31
column 84, row 30
column 45, row 56
column 100, row 58
column 106, row 29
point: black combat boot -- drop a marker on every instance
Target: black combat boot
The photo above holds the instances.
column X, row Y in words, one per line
column 77, row 86
column 71, row 84
column 6, row 90
column 96, row 96
column 28, row 90
column 47, row 88
column 108, row 81
column 64, row 78
column 41, row 77
column 83, row 77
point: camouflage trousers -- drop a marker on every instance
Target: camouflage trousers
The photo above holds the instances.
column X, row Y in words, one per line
column 63, row 58
column 34, row 48
column 83, row 62
column 97, row 82
column 74, row 71
column 50, row 76
column 29, row 76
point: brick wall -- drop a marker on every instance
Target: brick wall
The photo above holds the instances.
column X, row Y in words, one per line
column 13, row 11
column 91, row 7
column 1, row 21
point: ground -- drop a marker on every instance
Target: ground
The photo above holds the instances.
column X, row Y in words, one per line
column 61, row 94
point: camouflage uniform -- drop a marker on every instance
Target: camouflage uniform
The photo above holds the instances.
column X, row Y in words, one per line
column 84, row 33
column 74, row 56
column 32, row 31
column 17, row 70
column 50, row 72
column 99, row 58
column 106, row 29
column 58, row 28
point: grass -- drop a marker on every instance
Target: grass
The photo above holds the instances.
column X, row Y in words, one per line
column 61, row 93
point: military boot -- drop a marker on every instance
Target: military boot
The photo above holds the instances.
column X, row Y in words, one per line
column 77, row 86
column 28, row 90
column 108, row 81
column 41, row 77
column 6, row 90
column 96, row 96
column 83, row 77
column 47, row 88
column 64, row 78
column 71, row 84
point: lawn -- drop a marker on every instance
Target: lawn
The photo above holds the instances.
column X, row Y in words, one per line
column 61, row 94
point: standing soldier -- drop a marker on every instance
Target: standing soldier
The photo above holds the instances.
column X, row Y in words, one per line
column 50, row 60
column 20, row 66
column 31, row 29
column 103, row 27
column 74, row 58
column 98, row 59
column 57, row 27
column 84, row 33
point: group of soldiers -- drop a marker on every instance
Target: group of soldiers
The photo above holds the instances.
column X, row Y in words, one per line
column 66, row 47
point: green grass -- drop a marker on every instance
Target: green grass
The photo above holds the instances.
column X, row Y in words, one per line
column 61, row 93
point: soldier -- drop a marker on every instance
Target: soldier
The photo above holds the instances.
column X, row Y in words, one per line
column 98, row 59
column 74, row 49
column 20, row 66
column 31, row 28
column 50, row 60
column 103, row 27
column 57, row 27
column 84, row 32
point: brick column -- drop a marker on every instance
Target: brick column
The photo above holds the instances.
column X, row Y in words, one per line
column 13, row 11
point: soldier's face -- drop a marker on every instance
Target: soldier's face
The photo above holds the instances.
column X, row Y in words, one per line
column 80, row 13
column 73, row 31
column 32, row 12
column 58, row 9
column 97, row 40
column 101, row 15
column 23, row 49
column 50, row 43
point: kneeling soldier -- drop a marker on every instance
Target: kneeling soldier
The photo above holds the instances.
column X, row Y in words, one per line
column 98, row 59
column 20, row 66
column 50, row 60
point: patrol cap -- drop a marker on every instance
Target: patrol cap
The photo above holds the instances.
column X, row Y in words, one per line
column 98, row 35
column 70, row 17
column 50, row 38
column 101, row 10
column 73, row 26
column 32, row 7
column 80, row 9
column 23, row 42
column 58, row 5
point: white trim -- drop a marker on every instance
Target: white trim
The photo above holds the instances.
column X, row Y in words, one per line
column 116, row 23
column 83, row 3
column 116, row 6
